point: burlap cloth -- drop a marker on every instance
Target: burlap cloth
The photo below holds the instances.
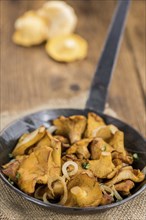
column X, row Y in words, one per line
column 14, row 207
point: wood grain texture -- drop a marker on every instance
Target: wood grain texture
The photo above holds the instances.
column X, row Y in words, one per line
column 30, row 78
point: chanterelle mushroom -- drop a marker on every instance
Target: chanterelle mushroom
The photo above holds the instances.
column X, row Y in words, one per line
column 117, row 142
column 128, row 159
column 105, row 132
column 124, row 187
column 80, row 148
column 28, row 141
column 98, row 146
column 93, row 122
column 71, row 127
column 125, row 174
column 102, row 167
column 83, row 191
column 10, row 169
column 38, row 167
column 55, row 144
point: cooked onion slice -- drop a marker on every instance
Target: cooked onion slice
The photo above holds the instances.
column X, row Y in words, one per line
column 106, row 189
column 36, row 193
column 116, row 194
column 144, row 170
column 73, row 172
column 97, row 129
column 52, row 128
column 65, row 195
column 45, row 198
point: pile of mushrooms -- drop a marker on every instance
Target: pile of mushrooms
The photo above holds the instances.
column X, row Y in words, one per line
column 78, row 162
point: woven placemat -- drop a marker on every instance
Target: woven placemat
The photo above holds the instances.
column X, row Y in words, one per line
column 14, row 207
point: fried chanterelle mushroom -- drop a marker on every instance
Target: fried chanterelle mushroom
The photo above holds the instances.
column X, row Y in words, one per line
column 93, row 123
column 77, row 162
column 80, row 148
column 71, row 127
column 28, row 140
column 83, row 191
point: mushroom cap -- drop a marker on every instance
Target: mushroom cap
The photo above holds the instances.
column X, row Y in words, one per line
column 61, row 18
column 124, row 187
column 71, row 127
column 31, row 29
column 28, row 140
column 126, row 173
column 117, row 142
column 80, row 148
column 102, row 167
column 83, row 191
column 93, row 122
column 98, row 146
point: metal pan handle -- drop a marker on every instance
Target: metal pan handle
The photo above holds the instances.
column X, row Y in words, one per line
column 101, row 80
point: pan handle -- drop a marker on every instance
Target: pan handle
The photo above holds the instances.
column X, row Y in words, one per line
column 101, row 80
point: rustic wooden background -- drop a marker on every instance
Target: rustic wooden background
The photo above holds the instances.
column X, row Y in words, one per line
column 30, row 78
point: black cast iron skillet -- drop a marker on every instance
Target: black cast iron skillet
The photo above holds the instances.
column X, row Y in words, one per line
column 134, row 142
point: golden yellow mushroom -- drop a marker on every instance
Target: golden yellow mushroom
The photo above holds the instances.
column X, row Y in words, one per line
column 125, row 174
column 83, row 191
column 28, row 141
column 60, row 17
column 102, row 167
column 71, row 127
column 67, row 48
column 80, row 148
column 31, row 29
column 93, row 123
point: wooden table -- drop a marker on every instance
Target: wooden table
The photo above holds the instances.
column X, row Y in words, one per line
column 30, row 78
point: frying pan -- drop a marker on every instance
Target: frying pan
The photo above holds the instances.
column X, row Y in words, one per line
column 134, row 142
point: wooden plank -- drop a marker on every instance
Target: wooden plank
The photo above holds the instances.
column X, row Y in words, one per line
column 136, row 41
column 39, row 77
column 129, row 97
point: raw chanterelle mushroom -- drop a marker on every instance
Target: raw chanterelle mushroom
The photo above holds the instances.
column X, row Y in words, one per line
column 60, row 17
column 83, row 191
column 71, row 127
column 31, row 29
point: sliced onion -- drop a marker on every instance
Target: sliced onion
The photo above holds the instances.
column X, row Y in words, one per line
column 116, row 194
column 36, row 193
column 73, row 172
column 52, row 128
column 65, row 195
column 96, row 130
column 105, row 189
column 45, row 198
column 105, row 153
column 144, row 170
column 113, row 128
column 89, row 173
